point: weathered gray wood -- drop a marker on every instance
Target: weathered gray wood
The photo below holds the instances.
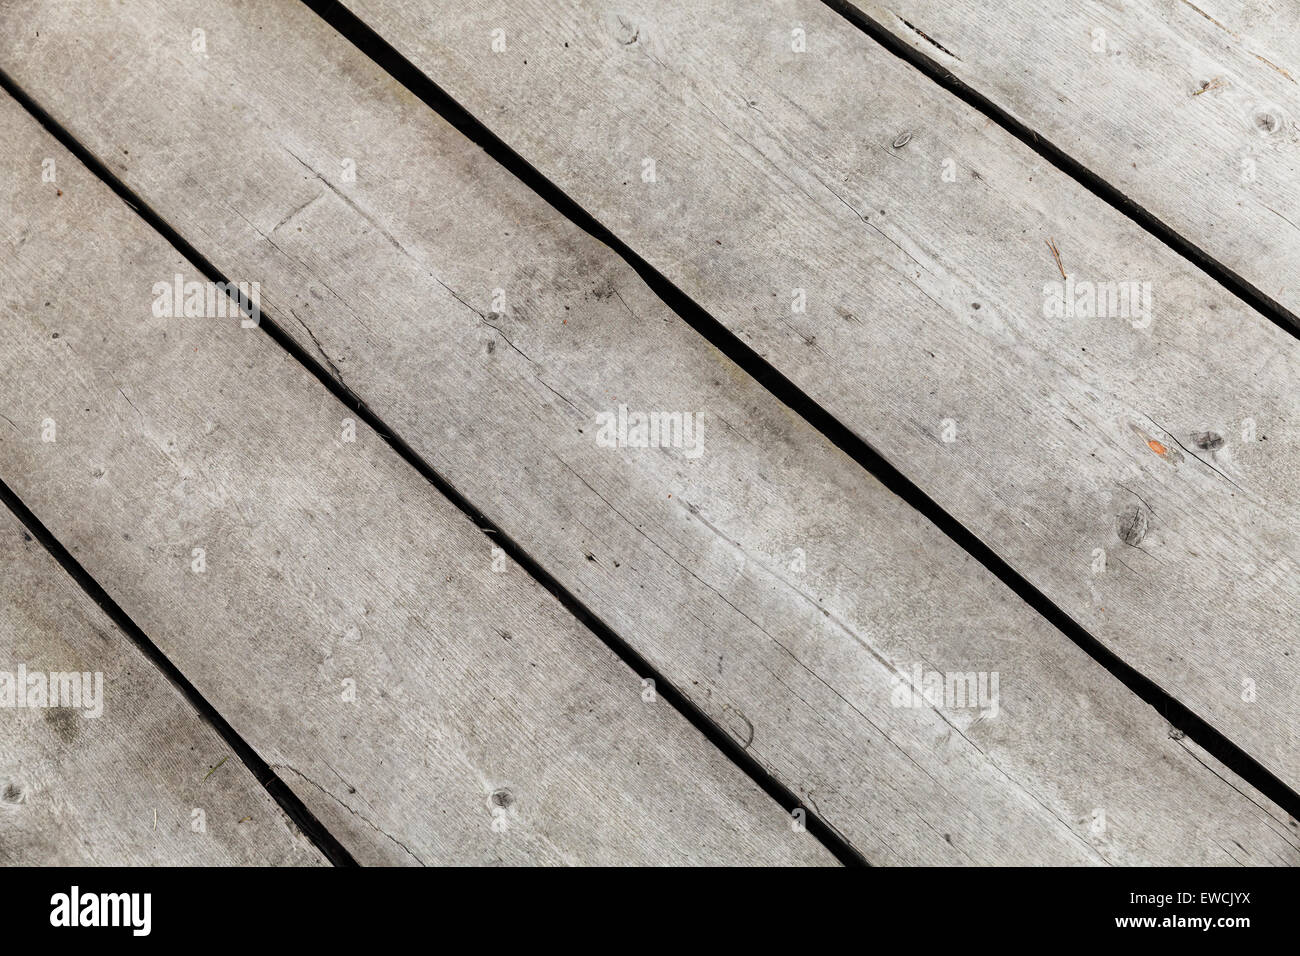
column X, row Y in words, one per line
column 1188, row 108
column 127, row 777
column 798, row 665
column 345, row 618
column 1171, row 446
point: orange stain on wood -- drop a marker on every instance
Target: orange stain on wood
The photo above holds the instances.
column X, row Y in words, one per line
column 1156, row 447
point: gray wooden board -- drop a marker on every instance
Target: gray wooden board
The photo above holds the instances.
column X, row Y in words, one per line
column 695, row 561
column 343, row 616
column 1189, row 109
column 124, row 776
column 1162, row 442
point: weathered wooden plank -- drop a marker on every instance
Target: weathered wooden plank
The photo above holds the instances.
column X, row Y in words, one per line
column 697, row 561
column 125, row 775
column 343, row 616
column 771, row 157
column 1190, row 109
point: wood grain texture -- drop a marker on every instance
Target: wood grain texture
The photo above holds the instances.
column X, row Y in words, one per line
column 346, row 620
column 390, row 280
column 1190, row 109
column 122, row 787
column 1169, row 445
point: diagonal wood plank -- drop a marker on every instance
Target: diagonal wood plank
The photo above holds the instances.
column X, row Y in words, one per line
column 330, row 604
column 768, row 158
column 126, row 777
column 799, row 665
column 1190, row 109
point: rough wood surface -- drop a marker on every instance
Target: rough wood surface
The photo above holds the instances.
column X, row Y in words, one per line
column 1169, row 444
column 1190, row 109
column 345, row 618
column 693, row 561
column 133, row 785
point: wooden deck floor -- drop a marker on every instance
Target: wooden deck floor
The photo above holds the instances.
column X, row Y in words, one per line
column 785, row 433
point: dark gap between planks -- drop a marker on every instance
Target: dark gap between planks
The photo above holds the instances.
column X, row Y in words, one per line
column 294, row 808
column 1179, row 716
column 1260, row 301
column 834, row 842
